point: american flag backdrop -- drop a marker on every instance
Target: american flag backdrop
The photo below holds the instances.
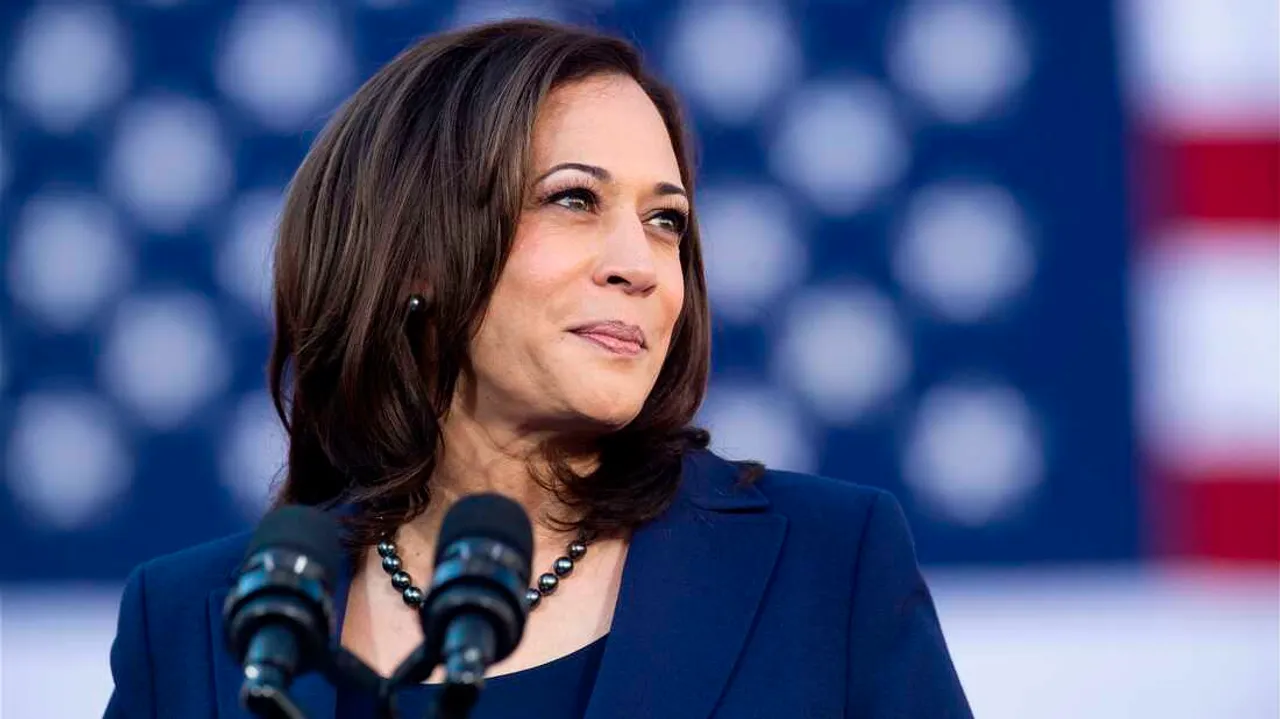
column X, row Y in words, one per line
column 1205, row 86
column 1017, row 262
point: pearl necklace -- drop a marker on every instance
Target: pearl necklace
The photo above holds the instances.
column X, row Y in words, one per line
column 547, row 583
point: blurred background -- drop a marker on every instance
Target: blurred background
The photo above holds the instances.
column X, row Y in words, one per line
column 1017, row 262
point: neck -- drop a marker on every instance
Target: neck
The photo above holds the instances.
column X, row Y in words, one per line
column 483, row 457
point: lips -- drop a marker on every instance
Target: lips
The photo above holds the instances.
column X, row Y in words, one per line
column 617, row 337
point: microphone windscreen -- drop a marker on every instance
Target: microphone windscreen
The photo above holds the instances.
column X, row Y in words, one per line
column 305, row 530
column 487, row 516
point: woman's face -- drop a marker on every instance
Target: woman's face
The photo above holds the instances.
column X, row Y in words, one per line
column 582, row 316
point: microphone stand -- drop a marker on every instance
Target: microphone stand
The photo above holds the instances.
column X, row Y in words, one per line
column 264, row 698
column 456, row 701
column 457, row 696
column 347, row 669
column 268, row 702
column 415, row 668
column 343, row 668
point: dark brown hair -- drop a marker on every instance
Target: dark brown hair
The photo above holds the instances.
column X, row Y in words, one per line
column 418, row 182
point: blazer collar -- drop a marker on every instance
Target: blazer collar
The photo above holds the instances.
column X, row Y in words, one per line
column 691, row 585
column 713, row 483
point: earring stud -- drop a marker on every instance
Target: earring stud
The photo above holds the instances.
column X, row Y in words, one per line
column 416, row 303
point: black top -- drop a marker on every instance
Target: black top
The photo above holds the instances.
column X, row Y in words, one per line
column 559, row 689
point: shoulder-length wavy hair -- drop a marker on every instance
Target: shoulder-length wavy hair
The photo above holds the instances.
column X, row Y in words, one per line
column 418, row 181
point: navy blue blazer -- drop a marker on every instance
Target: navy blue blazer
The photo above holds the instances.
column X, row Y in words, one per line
column 797, row 596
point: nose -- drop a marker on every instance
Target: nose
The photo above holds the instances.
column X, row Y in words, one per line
column 626, row 259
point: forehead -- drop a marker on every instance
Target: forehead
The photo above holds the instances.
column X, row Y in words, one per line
column 609, row 121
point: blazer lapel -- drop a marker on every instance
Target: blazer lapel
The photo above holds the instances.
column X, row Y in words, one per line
column 690, row 589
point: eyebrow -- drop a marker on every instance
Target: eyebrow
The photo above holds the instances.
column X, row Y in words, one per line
column 603, row 175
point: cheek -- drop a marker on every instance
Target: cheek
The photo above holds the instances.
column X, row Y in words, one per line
column 672, row 297
column 542, row 258
column 532, row 277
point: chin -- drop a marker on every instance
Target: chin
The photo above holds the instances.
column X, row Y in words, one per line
column 612, row 416
column 605, row 398
column 605, row 409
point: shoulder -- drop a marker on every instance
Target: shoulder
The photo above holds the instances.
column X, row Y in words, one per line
column 163, row 609
column 840, row 513
column 713, row 482
column 843, row 514
column 816, row 495
column 184, row 578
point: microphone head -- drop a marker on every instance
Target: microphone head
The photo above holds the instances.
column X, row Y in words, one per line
column 477, row 598
column 305, row 530
column 284, row 584
column 487, row 516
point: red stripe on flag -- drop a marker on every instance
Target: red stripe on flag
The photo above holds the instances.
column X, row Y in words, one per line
column 1221, row 178
column 1228, row 515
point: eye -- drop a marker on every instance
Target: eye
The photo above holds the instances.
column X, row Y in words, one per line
column 673, row 221
column 578, row 199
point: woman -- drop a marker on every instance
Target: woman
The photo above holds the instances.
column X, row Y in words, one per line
column 489, row 278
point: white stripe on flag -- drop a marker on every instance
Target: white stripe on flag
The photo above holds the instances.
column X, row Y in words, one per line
column 1207, row 347
column 1204, row 66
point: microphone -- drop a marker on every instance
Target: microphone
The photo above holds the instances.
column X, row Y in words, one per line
column 279, row 614
column 474, row 614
